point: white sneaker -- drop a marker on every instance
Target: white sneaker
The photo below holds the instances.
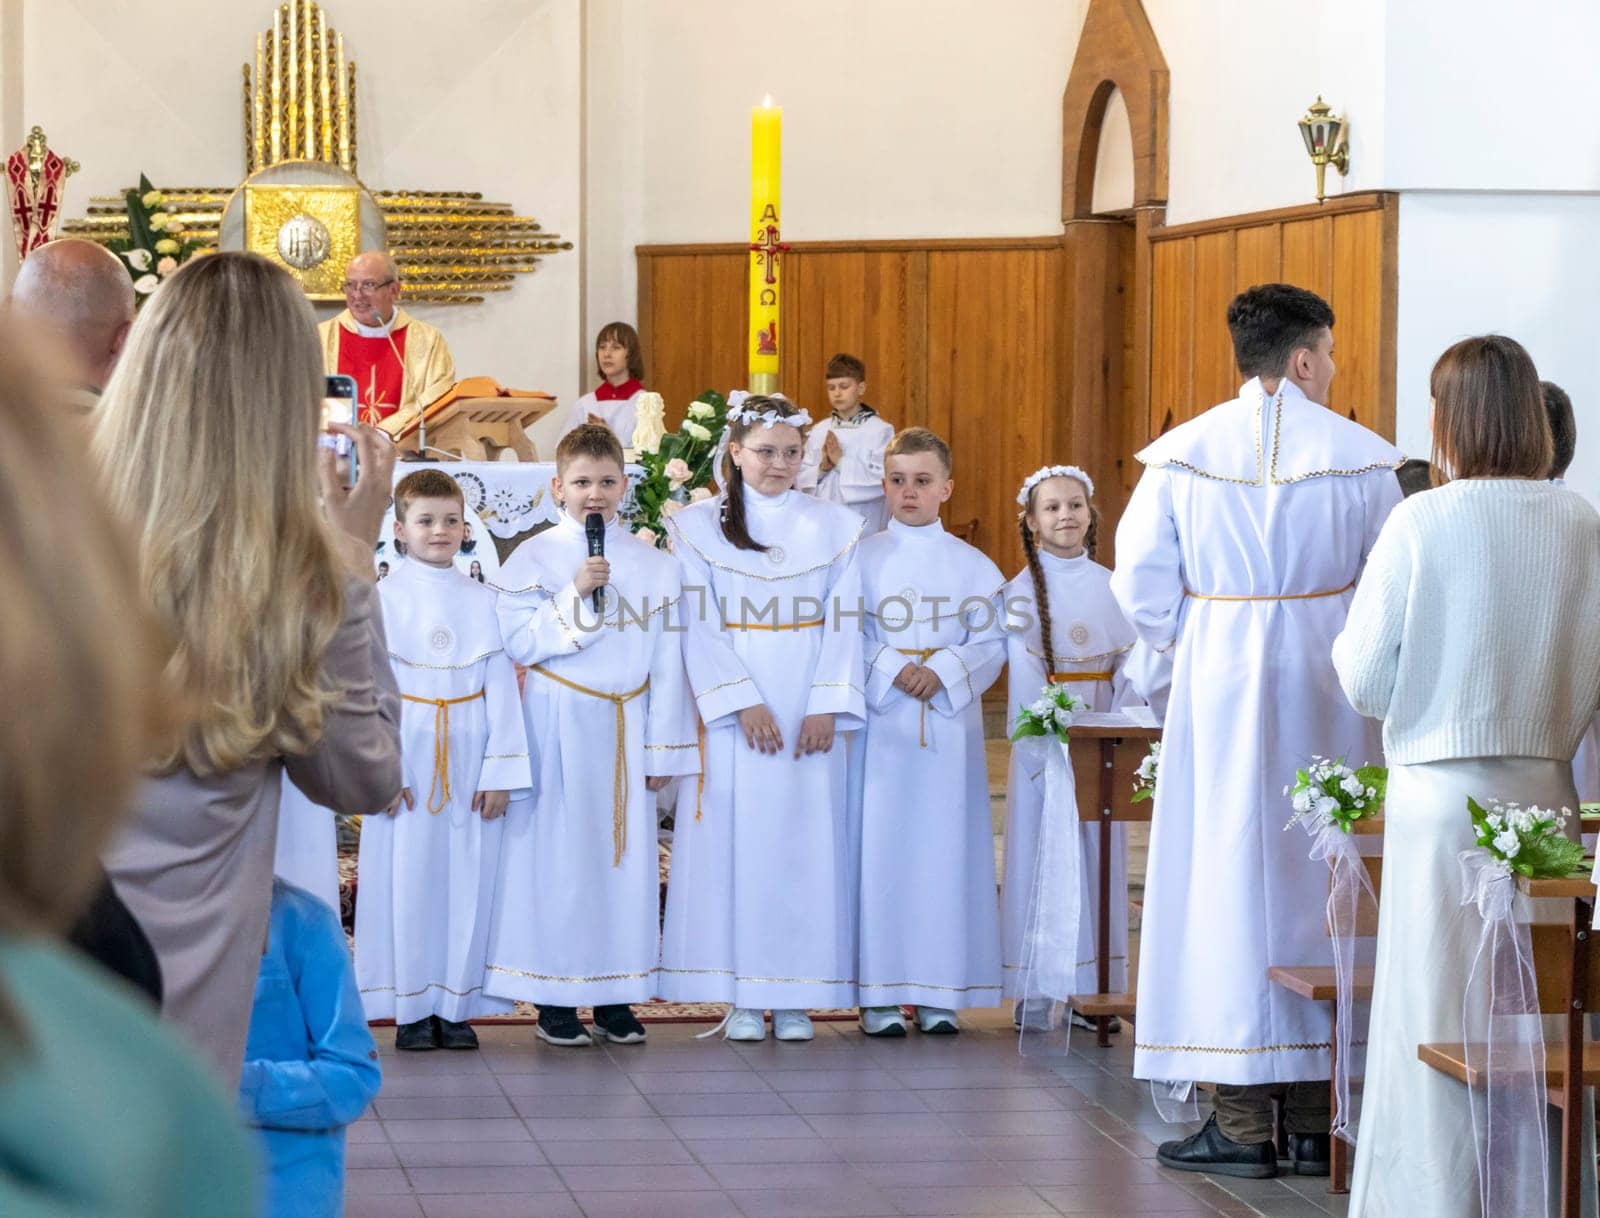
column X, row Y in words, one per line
column 937, row 1021
column 1032, row 1015
column 744, row 1024
column 791, row 1025
column 883, row 1021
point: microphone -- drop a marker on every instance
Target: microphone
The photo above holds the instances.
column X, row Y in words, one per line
column 594, row 528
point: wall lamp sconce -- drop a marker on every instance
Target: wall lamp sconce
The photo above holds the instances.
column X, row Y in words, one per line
column 1327, row 138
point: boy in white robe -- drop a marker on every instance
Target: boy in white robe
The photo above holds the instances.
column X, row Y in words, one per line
column 1238, row 553
column 929, row 921
column 609, row 721
column 759, row 907
column 1066, row 629
column 844, row 453
column 428, row 861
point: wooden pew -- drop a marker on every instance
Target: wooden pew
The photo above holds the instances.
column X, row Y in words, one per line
column 1570, row 987
column 1105, row 756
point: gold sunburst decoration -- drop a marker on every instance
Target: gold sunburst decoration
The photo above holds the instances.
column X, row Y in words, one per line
column 300, row 134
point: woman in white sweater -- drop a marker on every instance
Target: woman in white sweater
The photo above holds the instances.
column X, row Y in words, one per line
column 1475, row 636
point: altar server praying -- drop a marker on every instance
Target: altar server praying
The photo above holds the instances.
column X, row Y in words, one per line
column 929, row 921
column 1239, row 549
column 758, row 908
column 844, row 453
column 619, row 362
column 428, row 865
column 609, row 721
column 1065, row 629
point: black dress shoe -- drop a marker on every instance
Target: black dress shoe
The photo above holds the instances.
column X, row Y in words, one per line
column 618, row 1024
column 560, row 1026
column 1309, row 1153
column 415, row 1036
column 1216, row 1154
column 453, row 1035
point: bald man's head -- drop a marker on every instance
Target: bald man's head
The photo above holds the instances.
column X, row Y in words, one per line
column 81, row 293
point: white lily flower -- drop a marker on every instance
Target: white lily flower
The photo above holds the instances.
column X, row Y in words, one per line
column 139, row 259
column 146, row 284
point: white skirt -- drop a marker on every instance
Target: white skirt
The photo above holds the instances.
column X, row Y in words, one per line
column 1414, row 1149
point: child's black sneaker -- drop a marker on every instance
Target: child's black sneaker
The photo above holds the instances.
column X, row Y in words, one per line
column 560, row 1026
column 453, row 1035
column 618, row 1025
column 416, row 1036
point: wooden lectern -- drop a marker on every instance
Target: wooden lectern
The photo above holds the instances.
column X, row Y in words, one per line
column 1106, row 751
column 477, row 417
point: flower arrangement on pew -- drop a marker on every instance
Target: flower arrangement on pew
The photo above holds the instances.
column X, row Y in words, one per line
column 155, row 245
column 1144, row 778
column 1529, row 842
column 1331, row 793
column 1050, row 714
column 677, row 466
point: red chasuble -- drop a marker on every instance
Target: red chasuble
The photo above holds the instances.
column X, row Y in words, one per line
column 378, row 373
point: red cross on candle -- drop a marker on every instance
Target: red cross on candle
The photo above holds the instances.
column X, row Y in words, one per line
column 769, row 247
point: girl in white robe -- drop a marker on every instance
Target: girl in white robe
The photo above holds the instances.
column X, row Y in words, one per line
column 427, row 873
column 1066, row 628
column 930, row 922
column 619, row 361
column 758, row 901
column 577, row 915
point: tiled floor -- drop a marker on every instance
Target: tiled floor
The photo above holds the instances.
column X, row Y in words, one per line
column 840, row 1128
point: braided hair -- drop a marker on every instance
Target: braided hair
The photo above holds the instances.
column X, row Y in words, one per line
column 1041, row 594
column 734, row 525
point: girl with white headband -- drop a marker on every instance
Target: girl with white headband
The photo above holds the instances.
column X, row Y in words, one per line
column 1064, row 629
column 759, row 910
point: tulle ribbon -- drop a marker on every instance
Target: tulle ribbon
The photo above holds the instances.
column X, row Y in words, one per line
column 1349, row 889
column 1504, row 1043
column 1055, row 903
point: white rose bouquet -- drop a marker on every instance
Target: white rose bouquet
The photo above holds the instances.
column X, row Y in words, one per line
column 1528, row 841
column 1144, row 778
column 1330, row 792
column 156, row 245
column 1050, row 714
column 677, row 464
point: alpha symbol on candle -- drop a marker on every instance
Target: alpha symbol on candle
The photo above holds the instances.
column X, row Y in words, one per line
column 767, row 247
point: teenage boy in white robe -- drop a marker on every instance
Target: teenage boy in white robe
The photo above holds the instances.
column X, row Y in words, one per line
column 609, row 721
column 428, row 862
column 844, row 453
column 759, row 909
column 1065, row 629
column 929, row 921
column 1239, row 552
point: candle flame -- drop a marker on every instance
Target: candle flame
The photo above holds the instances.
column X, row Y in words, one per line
column 766, row 102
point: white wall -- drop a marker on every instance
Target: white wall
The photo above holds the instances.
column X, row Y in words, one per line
column 487, row 100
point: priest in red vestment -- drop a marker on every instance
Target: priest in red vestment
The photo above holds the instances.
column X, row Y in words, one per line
column 399, row 364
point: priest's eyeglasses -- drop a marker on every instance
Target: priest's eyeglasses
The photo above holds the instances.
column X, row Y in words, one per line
column 773, row 456
column 366, row 287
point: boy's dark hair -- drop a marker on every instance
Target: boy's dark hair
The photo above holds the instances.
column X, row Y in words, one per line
column 588, row 440
column 920, row 440
column 846, row 365
column 1270, row 322
column 1414, row 475
column 621, row 332
column 1563, row 427
column 426, row 484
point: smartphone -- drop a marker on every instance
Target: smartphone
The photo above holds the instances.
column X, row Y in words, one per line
column 339, row 405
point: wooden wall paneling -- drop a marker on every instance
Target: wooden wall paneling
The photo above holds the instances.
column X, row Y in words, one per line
column 1257, row 256
column 1215, row 375
column 693, row 323
column 1172, row 337
column 1308, row 254
column 1356, row 297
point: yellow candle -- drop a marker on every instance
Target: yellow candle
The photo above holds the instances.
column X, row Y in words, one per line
column 766, row 156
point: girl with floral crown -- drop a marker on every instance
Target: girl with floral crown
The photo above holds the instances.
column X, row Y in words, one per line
column 1064, row 629
column 759, row 910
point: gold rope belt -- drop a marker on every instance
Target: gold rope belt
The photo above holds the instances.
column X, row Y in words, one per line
column 619, row 771
column 923, row 654
column 441, row 745
column 1287, row 596
column 1070, row 678
column 806, row 625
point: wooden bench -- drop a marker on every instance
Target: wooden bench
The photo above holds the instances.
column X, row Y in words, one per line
column 1318, row 983
column 1568, row 986
column 1104, row 760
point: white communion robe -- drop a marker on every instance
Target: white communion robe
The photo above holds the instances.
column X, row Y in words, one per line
column 758, row 902
column 307, row 850
column 574, row 923
column 857, row 480
column 620, row 415
column 1240, row 548
column 1088, row 636
column 426, row 876
column 930, row 919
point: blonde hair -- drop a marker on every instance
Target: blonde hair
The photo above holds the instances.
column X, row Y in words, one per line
column 207, row 436
column 76, row 653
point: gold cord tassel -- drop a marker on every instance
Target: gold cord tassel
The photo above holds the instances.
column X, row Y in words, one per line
column 440, row 786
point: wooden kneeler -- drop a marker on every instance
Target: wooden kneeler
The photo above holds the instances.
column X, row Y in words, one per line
column 1568, row 986
column 1105, row 756
column 1319, row 983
